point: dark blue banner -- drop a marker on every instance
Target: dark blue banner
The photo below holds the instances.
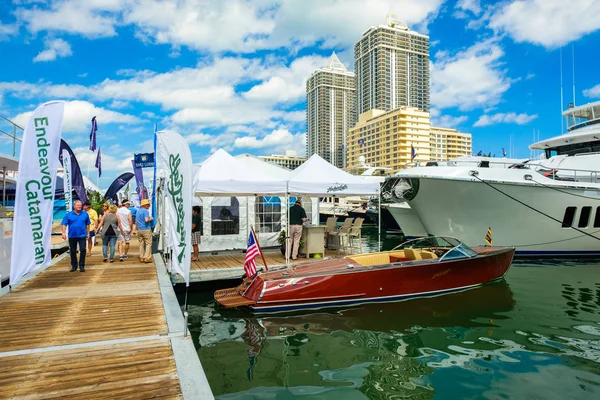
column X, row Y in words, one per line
column 76, row 176
column 118, row 184
column 144, row 160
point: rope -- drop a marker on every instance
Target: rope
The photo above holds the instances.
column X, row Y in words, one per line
column 533, row 209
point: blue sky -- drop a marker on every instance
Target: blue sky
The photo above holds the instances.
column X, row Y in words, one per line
column 232, row 74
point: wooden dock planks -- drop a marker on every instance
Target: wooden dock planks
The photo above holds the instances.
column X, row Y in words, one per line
column 236, row 260
column 109, row 301
column 136, row 370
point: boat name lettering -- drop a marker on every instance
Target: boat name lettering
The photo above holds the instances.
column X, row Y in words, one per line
column 338, row 188
column 175, row 188
column 441, row 273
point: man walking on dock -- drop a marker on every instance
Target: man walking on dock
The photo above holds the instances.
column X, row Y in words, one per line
column 78, row 222
column 144, row 225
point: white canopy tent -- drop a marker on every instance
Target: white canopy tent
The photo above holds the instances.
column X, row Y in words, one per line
column 227, row 188
column 317, row 177
column 235, row 192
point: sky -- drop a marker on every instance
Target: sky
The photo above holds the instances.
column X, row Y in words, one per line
column 231, row 74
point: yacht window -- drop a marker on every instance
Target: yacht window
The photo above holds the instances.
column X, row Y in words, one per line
column 584, row 218
column 568, row 218
column 597, row 219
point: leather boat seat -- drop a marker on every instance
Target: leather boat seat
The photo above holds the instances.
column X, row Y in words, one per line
column 412, row 254
column 372, row 259
column 428, row 254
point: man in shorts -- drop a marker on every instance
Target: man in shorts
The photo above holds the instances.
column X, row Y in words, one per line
column 126, row 220
column 94, row 224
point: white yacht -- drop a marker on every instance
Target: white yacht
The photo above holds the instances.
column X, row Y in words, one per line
column 546, row 207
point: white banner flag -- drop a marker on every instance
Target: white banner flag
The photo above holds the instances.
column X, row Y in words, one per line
column 67, row 183
column 175, row 160
column 34, row 200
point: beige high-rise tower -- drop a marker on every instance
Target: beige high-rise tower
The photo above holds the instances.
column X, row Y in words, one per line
column 330, row 111
column 391, row 64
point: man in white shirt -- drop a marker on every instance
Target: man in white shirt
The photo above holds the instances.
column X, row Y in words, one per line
column 124, row 216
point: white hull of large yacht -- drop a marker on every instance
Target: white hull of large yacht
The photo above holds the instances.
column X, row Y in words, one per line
column 519, row 214
column 406, row 219
column 545, row 207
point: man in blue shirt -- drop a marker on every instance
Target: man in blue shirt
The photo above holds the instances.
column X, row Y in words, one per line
column 78, row 222
column 133, row 215
column 144, row 226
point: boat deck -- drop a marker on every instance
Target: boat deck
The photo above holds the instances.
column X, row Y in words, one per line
column 97, row 334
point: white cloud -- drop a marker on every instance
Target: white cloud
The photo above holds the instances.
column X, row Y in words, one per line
column 54, row 48
column 277, row 138
column 473, row 6
column 593, row 92
column 239, row 26
column 448, row 121
column 549, row 23
column 469, row 79
column 78, row 115
column 92, row 18
column 7, row 30
column 506, row 118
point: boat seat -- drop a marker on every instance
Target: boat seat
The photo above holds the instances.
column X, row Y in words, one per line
column 428, row 254
column 412, row 254
column 372, row 259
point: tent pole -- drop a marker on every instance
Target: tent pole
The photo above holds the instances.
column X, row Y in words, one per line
column 287, row 222
column 379, row 222
column 4, row 187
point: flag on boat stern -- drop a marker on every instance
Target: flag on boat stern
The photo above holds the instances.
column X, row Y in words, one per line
column 252, row 252
column 488, row 236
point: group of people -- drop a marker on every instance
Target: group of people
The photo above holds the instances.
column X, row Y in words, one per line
column 115, row 224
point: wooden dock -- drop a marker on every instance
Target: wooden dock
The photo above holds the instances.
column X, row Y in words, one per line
column 230, row 264
column 101, row 333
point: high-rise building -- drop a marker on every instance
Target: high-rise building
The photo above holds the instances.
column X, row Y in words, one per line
column 289, row 160
column 447, row 144
column 387, row 139
column 391, row 64
column 394, row 138
column 330, row 111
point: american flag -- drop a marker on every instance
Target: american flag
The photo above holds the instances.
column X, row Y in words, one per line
column 252, row 252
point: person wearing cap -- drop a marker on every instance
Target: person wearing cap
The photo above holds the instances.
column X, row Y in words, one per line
column 126, row 221
column 93, row 225
column 144, row 227
column 297, row 218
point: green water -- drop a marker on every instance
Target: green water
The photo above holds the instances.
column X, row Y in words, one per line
column 534, row 336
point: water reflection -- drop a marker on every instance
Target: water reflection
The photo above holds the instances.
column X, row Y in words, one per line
column 537, row 336
column 581, row 298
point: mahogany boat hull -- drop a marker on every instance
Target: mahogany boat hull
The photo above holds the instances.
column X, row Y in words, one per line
column 343, row 282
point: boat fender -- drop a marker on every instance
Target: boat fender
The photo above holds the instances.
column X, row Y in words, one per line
column 349, row 266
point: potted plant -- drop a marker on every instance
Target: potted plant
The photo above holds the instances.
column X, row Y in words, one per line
column 281, row 241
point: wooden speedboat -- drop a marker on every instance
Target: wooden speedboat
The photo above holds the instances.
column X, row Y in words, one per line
column 423, row 267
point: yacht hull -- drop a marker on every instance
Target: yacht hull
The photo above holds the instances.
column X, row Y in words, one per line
column 466, row 208
column 407, row 220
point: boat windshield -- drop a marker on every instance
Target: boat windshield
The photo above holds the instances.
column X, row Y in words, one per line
column 444, row 247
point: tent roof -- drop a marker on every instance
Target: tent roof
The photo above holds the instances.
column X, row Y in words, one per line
column 267, row 168
column 223, row 174
column 318, row 177
column 11, row 163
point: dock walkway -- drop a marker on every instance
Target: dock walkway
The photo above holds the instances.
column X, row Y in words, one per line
column 102, row 333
